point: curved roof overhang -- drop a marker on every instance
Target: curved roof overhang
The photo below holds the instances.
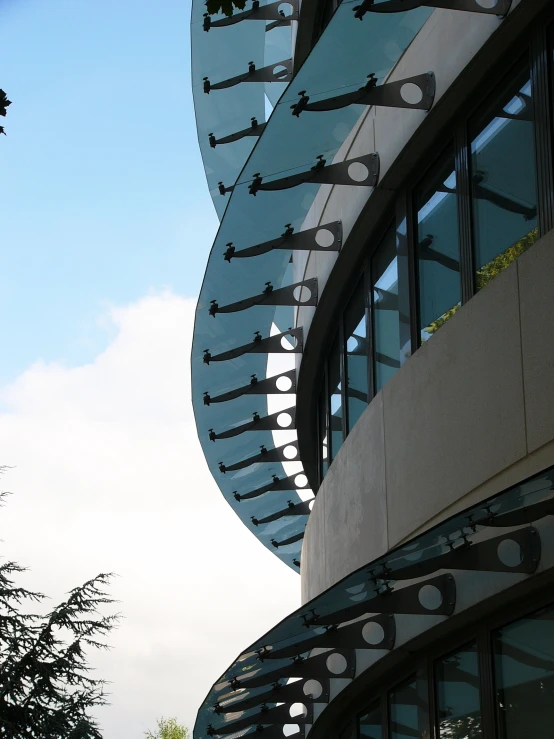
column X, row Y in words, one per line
column 284, row 682
column 245, row 314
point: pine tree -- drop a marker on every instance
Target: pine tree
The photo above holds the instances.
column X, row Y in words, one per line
column 46, row 689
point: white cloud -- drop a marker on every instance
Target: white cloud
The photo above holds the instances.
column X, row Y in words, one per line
column 109, row 476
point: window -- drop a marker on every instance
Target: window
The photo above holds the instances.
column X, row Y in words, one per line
column 335, row 398
column 370, row 723
column 437, row 248
column 524, row 677
column 355, row 330
column 503, row 186
column 385, row 310
column 458, row 695
column 404, row 711
column 323, row 435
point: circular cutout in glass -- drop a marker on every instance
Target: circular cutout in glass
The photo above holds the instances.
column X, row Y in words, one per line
column 312, row 688
column 288, row 343
column 487, row 4
column 285, row 8
column 302, row 294
column 430, row 597
column 411, row 93
column 324, row 238
column 301, row 480
column 509, row 553
column 358, row 172
column 290, row 452
column 283, row 384
column 290, row 729
column 284, row 420
column 373, row 633
column 336, row 663
column 298, row 709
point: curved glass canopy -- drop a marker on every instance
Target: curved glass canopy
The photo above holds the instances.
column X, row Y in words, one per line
column 283, row 682
column 302, row 145
column 221, row 52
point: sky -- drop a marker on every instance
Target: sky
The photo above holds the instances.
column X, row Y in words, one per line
column 106, row 225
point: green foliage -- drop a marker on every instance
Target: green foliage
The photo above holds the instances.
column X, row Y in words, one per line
column 4, row 103
column 489, row 271
column 168, row 728
column 46, row 689
column 224, row 6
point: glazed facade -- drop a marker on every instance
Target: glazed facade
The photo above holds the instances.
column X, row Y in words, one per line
column 384, row 263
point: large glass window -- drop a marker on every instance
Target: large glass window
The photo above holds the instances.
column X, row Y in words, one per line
column 503, row 177
column 458, row 695
column 323, row 445
column 524, row 676
column 370, row 723
column 404, row 711
column 355, row 330
column 385, row 311
column 335, row 398
column 437, row 247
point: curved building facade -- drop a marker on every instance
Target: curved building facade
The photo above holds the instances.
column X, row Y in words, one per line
column 385, row 262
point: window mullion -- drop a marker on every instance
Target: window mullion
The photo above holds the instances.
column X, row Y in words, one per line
column 465, row 226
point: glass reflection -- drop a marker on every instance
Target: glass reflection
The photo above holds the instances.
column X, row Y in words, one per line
column 524, row 674
column 323, row 449
column 335, row 399
column 403, row 711
column 370, row 723
column 437, row 247
column 355, row 330
column 503, row 178
column 386, row 314
column 458, row 704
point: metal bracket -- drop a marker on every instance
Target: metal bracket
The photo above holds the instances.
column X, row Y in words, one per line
column 347, row 637
column 286, row 542
column 265, row 423
column 278, row 72
column 500, row 8
column 271, row 345
column 342, row 173
column 255, row 129
column 264, row 455
column 224, row 190
column 485, row 556
column 256, row 387
column 306, row 291
column 407, row 600
column 268, row 12
column 311, row 667
column 277, row 715
column 389, row 95
column 298, row 509
column 276, row 485
column 300, row 241
column 518, row 517
column 287, row 694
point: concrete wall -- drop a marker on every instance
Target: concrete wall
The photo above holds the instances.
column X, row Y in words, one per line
column 471, row 413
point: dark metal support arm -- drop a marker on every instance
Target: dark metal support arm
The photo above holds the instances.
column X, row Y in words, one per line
column 255, row 129
column 256, row 387
column 257, row 12
column 290, row 295
column 299, row 241
column 501, row 7
column 258, row 423
column 276, row 485
column 278, row 72
column 343, row 173
column 264, row 455
column 269, row 345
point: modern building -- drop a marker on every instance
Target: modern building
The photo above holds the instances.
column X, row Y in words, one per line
column 384, row 175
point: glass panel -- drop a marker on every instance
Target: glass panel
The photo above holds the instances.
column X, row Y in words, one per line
column 335, row 399
column 458, row 695
column 524, row 672
column 437, row 247
column 503, row 178
column 386, row 315
column 323, row 450
column 355, row 330
column 403, row 284
column 403, row 711
column 370, row 723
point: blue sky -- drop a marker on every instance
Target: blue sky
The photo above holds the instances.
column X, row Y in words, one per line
column 102, row 188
